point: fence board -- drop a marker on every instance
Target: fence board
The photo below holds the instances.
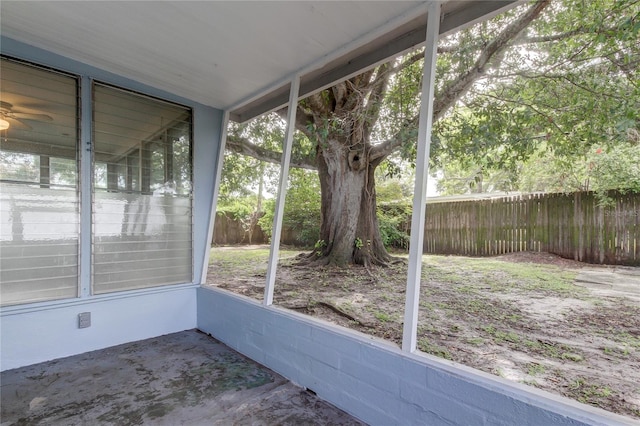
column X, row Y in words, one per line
column 569, row 225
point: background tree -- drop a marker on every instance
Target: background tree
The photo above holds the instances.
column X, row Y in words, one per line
column 569, row 83
column 302, row 208
column 549, row 76
column 246, row 180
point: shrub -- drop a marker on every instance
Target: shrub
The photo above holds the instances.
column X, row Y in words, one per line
column 394, row 220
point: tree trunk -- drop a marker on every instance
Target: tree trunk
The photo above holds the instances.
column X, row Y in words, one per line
column 349, row 232
column 340, row 121
column 257, row 213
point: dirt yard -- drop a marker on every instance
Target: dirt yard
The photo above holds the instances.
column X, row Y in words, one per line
column 521, row 316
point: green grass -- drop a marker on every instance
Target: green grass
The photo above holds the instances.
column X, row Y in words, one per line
column 431, row 348
column 469, row 274
column 244, row 260
column 535, row 369
column 501, row 336
column 478, row 341
column 627, row 339
column 381, row 316
column 572, row 357
column 553, row 350
column 586, row 392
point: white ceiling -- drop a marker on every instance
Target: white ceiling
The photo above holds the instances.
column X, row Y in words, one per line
column 223, row 53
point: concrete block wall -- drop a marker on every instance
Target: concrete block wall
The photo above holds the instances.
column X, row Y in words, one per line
column 374, row 380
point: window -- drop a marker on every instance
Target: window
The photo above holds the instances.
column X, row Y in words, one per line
column 39, row 214
column 142, row 233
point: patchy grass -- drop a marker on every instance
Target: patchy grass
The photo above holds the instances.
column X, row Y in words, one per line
column 473, row 274
column 535, row 369
column 434, row 349
column 244, row 261
column 522, row 320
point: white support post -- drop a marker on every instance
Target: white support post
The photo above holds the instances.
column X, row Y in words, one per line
column 282, row 191
column 214, row 198
column 410, row 331
column 86, row 169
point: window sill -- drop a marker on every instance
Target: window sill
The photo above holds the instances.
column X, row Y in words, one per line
column 64, row 303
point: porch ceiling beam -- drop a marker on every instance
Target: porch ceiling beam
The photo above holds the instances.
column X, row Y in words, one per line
column 455, row 15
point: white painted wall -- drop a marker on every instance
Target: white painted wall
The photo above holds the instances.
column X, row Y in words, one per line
column 374, row 380
column 44, row 332
column 38, row 332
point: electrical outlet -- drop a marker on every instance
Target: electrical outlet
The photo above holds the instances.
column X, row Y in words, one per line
column 84, row 320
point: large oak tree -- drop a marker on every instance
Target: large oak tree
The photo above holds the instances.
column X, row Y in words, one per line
column 495, row 69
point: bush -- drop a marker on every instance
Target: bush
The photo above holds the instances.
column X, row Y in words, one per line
column 239, row 209
column 394, row 220
column 302, row 214
column 301, row 211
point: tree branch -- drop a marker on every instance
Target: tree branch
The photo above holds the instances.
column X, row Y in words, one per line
column 302, row 120
column 374, row 103
column 553, row 37
column 244, row 147
column 384, row 149
column 455, row 90
column 551, row 76
column 526, row 104
column 461, row 85
column 418, row 56
column 339, row 92
column 318, row 104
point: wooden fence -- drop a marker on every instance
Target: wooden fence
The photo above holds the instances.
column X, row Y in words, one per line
column 228, row 231
column 570, row 225
column 231, row 231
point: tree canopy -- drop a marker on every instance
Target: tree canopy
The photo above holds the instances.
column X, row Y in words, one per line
column 569, row 86
column 550, row 85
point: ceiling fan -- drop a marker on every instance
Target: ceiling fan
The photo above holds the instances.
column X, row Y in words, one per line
column 12, row 118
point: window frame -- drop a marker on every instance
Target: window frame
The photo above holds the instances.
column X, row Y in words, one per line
column 128, row 179
column 84, row 155
column 44, row 173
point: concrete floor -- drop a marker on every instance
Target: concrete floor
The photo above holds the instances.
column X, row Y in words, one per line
column 183, row 378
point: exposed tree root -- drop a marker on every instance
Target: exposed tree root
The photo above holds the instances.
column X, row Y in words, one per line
column 340, row 312
column 373, row 277
column 316, row 258
column 333, row 308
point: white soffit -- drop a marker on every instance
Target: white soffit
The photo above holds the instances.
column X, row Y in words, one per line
column 231, row 54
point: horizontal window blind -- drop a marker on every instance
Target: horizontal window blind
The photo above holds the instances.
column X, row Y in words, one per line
column 39, row 210
column 142, row 220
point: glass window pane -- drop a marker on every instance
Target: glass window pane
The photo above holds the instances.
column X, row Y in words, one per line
column 39, row 218
column 142, row 200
